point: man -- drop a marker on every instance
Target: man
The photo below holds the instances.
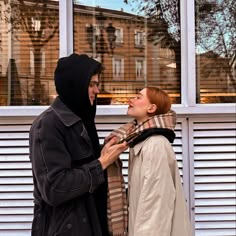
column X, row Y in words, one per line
column 69, row 171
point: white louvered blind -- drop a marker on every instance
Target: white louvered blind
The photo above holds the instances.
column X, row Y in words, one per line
column 16, row 199
column 178, row 147
column 212, row 156
column 214, row 176
column 16, row 185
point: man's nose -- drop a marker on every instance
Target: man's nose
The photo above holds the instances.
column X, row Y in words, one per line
column 96, row 89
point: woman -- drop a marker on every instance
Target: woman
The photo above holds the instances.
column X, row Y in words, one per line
column 156, row 200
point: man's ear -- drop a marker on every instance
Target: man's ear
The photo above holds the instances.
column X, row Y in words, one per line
column 152, row 108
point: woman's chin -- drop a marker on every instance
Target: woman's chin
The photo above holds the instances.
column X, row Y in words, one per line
column 129, row 113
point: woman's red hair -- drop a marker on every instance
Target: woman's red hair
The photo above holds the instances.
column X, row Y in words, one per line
column 160, row 98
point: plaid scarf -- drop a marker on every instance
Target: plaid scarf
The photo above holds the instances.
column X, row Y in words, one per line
column 117, row 210
column 132, row 130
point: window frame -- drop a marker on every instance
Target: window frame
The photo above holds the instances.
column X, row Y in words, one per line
column 66, row 46
column 188, row 63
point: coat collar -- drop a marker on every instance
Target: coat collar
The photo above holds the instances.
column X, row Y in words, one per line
column 138, row 147
column 64, row 113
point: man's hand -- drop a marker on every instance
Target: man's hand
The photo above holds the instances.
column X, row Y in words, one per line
column 111, row 152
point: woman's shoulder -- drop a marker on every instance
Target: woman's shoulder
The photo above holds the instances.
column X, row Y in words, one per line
column 156, row 140
column 157, row 143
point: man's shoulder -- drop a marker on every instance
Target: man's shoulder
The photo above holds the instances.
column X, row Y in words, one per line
column 47, row 116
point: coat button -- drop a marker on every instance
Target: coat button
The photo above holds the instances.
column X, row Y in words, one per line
column 84, row 220
column 69, row 226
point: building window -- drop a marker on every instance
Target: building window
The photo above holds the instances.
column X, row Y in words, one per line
column 139, row 38
column 43, row 63
column 140, row 69
column 34, row 28
column 119, row 35
column 118, row 68
column 36, row 24
column 141, row 54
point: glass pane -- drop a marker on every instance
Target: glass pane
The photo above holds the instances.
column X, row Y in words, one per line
column 29, row 46
column 216, row 51
column 137, row 42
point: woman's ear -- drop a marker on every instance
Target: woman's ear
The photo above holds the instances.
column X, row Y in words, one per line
column 152, row 108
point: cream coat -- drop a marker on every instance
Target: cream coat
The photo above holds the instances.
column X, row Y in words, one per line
column 157, row 205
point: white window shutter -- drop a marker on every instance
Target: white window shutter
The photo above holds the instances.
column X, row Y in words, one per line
column 16, row 185
column 214, row 177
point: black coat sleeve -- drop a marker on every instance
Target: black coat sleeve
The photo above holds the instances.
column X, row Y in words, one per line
column 57, row 180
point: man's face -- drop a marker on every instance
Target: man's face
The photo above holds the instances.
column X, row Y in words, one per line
column 93, row 89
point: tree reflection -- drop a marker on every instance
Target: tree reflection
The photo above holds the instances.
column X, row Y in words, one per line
column 215, row 36
column 163, row 25
column 40, row 22
column 216, row 33
column 15, row 95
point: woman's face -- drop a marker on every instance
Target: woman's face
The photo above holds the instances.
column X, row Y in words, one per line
column 140, row 107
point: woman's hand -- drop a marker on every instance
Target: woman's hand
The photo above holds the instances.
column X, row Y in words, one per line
column 111, row 152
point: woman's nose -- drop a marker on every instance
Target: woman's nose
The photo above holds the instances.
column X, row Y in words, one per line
column 130, row 101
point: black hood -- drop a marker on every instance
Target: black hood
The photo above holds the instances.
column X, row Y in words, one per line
column 72, row 77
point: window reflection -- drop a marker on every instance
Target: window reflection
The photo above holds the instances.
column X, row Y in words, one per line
column 215, row 51
column 142, row 49
column 138, row 43
column 29, row 50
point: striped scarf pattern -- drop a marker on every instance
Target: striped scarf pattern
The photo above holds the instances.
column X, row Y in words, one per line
column 167, row 121
column 117, row 209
